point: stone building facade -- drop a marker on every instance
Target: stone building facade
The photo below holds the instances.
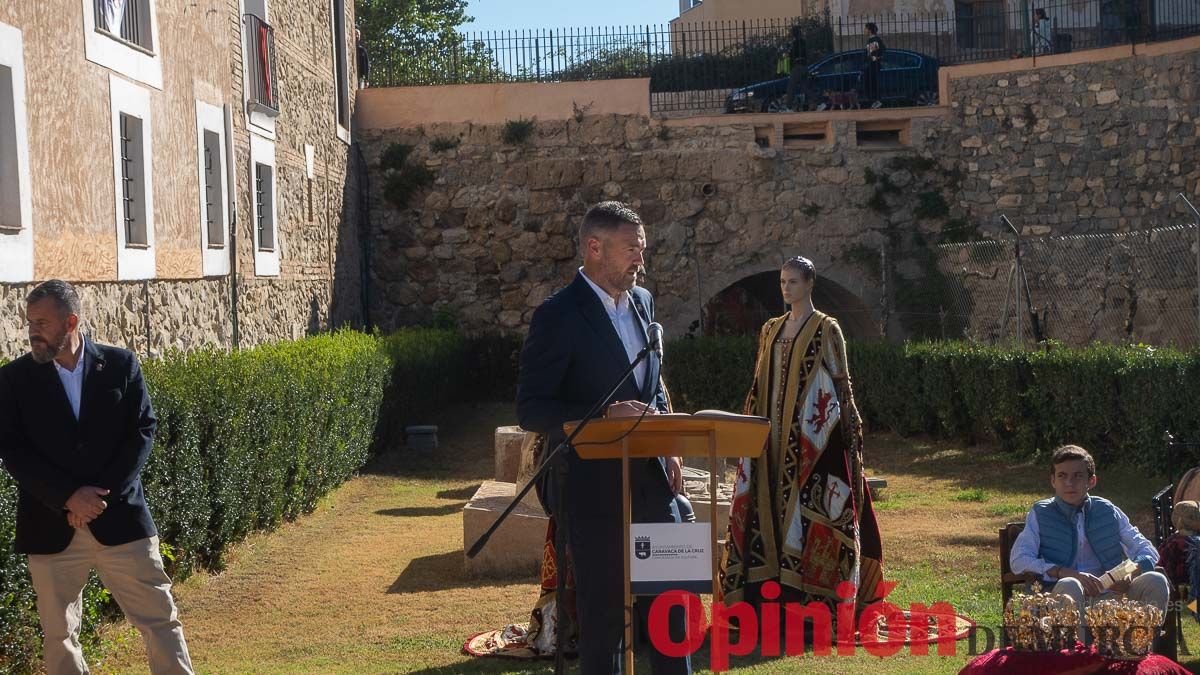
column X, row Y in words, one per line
column 1079, row 143
column 225, row 127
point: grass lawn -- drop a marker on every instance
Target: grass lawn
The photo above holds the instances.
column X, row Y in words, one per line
column 373, row 580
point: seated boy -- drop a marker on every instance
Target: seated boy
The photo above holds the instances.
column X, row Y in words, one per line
column 1074, row 538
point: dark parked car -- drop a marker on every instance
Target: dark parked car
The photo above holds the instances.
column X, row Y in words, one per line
column 908, row 78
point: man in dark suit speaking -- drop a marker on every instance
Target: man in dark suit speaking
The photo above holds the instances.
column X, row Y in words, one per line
column 76, row 427
column 580, row 340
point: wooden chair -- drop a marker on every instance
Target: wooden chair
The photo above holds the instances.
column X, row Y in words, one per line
column 1008, row 578
column 1162, row 503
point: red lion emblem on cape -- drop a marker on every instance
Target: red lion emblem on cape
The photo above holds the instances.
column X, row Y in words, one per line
column 822, row 408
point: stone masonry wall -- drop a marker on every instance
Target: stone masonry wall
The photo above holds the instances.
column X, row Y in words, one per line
column 1098, row 147
column 1087, row 148
column 495, row 233
column 155, row 317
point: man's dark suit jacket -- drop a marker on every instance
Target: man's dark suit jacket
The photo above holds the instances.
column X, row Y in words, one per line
column 571, row 358
column 51, row 455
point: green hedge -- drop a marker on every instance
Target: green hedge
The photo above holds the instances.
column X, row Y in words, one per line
column 246, row 441
column 709, row 373
column 427, row 370
column 1116, row 401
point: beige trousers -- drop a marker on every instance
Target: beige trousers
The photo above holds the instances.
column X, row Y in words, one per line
column 1150, row 588
column 134, row 574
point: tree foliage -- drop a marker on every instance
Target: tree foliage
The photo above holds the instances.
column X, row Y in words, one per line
column 418, row 41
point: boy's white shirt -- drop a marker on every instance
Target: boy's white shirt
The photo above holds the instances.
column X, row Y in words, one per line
column 1024, row 554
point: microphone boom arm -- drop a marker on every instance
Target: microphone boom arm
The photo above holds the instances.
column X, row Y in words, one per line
column 547, row 461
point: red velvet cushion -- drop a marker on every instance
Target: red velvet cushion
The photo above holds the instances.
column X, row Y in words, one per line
column 1077, row 661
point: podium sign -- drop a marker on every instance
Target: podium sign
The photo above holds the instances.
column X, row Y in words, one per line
column 670, row 556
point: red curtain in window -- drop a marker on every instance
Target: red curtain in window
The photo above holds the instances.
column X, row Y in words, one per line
column 264, row 58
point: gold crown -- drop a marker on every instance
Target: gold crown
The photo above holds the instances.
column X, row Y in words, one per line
column 1041, row 622
column 1123, row 628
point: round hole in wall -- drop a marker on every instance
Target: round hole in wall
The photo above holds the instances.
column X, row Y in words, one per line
column 708, row 189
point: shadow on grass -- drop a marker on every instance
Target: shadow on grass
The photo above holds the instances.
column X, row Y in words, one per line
column 466, row 446
column 463, row 493
column 976, row 540
column 445, row 571
column 419, row 511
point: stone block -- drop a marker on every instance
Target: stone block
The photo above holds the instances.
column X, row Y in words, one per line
column 421, row 438
column 696, row 489
column 702, row 505
column 835, row 175
column 542, row 202
column 516, row 548
column 508, row 453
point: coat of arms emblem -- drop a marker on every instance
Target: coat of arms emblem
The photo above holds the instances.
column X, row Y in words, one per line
column 641, row 548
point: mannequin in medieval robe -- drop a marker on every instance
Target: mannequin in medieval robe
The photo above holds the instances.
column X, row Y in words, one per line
column 801, row 513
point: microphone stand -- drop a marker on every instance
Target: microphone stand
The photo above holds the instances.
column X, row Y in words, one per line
column 558, row 461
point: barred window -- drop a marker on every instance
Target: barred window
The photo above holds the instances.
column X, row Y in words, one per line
column 126, row 20
column 11, row 221
column 264, row 198
column 133, row 184
column 214, row 190
column 340, row 72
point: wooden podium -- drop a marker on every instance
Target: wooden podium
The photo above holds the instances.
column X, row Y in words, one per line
column 711, row 434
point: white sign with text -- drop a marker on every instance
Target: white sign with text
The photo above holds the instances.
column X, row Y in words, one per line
column 665, row 556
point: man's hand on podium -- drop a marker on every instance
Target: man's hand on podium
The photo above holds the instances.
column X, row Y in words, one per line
column 636, row 409
column 675, row 473
column 629, row 409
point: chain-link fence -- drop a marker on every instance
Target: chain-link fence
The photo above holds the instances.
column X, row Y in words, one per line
column 1137, row 287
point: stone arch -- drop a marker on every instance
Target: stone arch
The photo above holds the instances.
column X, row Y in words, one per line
column 842, row 290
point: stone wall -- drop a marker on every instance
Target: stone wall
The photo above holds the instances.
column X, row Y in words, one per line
column 495, row 233
column 1091, row 147
column 156, row 317
column 1095, row 147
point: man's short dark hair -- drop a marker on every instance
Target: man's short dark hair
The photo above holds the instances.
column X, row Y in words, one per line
column 874, row 30
column 1070, row 453
column 63, row 294
column 606, row 217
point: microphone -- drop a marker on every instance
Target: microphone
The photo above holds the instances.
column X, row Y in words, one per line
column 654, row 335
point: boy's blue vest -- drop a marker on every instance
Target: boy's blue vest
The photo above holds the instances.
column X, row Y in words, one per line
column 1059, row 543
